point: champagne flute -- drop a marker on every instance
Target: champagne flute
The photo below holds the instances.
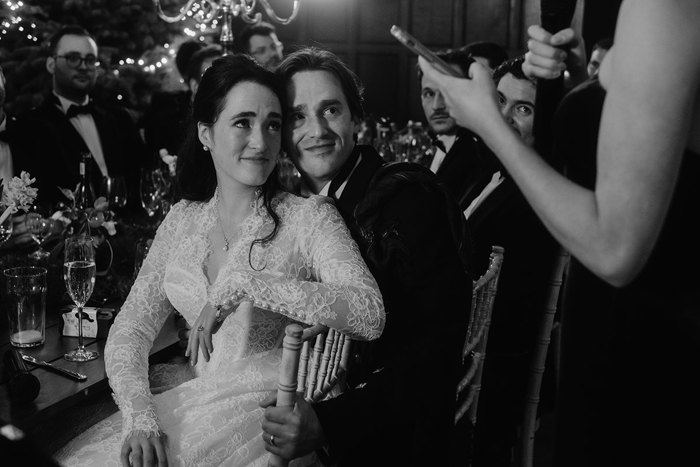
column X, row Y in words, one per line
column 79, row 274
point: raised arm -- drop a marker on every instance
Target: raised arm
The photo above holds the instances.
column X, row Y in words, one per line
column 652, row 82
column 343, row 294
column 133, row 332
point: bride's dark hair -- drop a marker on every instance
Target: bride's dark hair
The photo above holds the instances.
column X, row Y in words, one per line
column 196, row 177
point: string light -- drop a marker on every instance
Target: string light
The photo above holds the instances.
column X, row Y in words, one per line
column 11, row 22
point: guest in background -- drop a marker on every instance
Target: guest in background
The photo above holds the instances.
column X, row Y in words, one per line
column 631, row 309
column 260, row 41
column 499, row 215
column 198, row 64
column 71, row 123
column 166, row 120
column 410, row 234
column 600, row 49
column 459, row 155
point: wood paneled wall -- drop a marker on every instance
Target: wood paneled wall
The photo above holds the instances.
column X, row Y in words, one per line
column 358, row 32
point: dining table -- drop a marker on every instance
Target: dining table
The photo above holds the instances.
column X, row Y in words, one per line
column 64, row 407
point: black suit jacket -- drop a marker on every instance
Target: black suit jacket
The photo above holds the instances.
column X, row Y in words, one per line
column 506, row 219
column 467, row 168
column 122, row 146
column 402, row 413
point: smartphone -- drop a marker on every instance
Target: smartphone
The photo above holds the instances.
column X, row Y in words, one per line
column 415, row 46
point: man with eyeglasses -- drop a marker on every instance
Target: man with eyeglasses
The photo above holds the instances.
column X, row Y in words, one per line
column 74, row 124
column 260, row 42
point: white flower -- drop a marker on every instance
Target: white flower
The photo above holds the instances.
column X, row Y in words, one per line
column 18, row 194
column 169, row 159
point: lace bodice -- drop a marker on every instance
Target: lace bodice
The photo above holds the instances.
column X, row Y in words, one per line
column 311, row 272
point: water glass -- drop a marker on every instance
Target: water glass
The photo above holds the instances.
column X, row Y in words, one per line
column 25, row 289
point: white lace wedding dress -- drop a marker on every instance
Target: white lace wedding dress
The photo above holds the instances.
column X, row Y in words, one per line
column 311, row 272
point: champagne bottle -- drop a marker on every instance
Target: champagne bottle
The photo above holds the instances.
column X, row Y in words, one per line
column 84, row 196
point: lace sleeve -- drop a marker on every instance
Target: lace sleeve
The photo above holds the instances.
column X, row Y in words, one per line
column 344, row 295
column 134, row 330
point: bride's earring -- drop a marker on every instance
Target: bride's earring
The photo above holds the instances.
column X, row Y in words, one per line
column 205, row 147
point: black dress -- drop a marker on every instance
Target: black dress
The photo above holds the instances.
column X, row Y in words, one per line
column 630, row 391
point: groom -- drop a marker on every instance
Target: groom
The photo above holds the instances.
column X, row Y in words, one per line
column 400, row 408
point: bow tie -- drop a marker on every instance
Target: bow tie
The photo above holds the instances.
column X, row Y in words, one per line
column 440, row 145
column 75, row 110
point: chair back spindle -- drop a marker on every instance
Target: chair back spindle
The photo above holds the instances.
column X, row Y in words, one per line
column 474, row 353
column 314, row 362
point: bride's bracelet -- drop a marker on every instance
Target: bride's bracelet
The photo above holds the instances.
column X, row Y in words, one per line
column 225, row 309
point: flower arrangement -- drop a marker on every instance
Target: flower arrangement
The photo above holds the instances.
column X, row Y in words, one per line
column 80, row 220
column 17, row 194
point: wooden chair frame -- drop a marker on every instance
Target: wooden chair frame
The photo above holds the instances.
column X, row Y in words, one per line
column 546, row 331
column 314, row 363
column 483, row 297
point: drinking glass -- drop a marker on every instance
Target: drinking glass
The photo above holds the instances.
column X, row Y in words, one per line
column 79, row 275
column 25, row 289
column 39, row 226
column 114, row 190
column 150, row 188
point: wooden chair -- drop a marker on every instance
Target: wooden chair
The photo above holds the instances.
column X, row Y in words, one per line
column 548, row 329
column 483, row 296
column 314, row 363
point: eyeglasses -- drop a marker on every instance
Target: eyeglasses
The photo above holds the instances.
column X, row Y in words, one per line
column 74, row 60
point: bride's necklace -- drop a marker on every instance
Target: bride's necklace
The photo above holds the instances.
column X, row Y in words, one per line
column 221, row 223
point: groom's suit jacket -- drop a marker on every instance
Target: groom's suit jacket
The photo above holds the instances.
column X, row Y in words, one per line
column 122, row 146
column 402, row 412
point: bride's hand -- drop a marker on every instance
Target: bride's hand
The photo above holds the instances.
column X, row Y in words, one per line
column 206, row 325
column 142, row 451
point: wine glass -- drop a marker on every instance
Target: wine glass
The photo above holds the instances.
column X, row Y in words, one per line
column 39, row 226
column 114, row 190
column 150, row 189
column 79, row 275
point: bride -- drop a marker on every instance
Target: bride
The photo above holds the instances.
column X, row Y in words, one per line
column 237, row 257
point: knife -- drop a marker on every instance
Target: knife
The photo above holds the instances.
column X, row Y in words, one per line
column 69, row 373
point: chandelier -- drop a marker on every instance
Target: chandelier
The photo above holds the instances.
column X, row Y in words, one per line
column 209, row 11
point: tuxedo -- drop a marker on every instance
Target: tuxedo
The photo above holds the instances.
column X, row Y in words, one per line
column 400, row 408
column 123, row 150
column 502, row 218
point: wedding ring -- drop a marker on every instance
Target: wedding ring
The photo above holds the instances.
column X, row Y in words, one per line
column 200, row 329
column 272, row 440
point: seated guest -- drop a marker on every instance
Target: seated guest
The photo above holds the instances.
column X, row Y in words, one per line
column 500, row 215
column 260, row 42
column 240, row 259
column 600, row 49
column 458, row 153
column 409, row 232
column 72, row 124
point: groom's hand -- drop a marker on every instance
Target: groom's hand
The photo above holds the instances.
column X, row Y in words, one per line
column 296, row 431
